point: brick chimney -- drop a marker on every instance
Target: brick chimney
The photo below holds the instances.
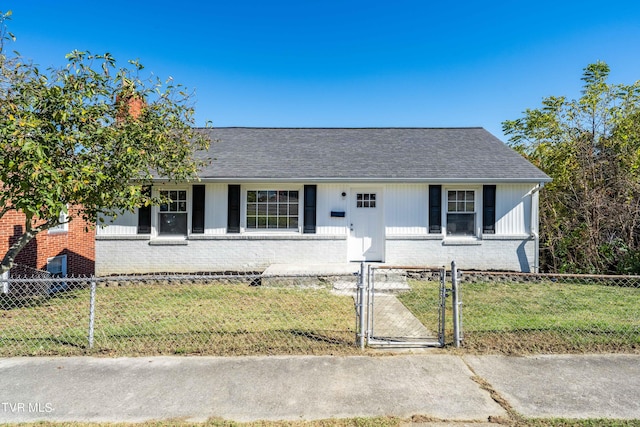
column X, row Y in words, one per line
column 129, row 105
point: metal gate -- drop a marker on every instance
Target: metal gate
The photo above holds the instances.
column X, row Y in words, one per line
column 402, row 306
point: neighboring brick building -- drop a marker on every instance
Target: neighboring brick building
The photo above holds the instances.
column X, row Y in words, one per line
column 67, row 250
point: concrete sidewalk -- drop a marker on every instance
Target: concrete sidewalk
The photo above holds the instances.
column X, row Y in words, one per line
column 316, row 387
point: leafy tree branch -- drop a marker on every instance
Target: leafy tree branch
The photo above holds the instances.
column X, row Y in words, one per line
column 89, row 134
column 590, row 216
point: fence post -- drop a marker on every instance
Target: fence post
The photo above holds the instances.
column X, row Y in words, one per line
column 92, row 311
column 371, row 275
column 5, row 282
column 361, row 308
column 443, row 306
column 456, row 305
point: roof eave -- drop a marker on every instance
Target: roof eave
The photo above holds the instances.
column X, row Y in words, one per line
column 484, row 180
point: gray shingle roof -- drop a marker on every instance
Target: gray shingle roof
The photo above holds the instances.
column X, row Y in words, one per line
column 364, row 154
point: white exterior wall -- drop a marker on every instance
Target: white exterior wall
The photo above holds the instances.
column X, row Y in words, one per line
column 494, row 254
column 513, row 209
column 406, row 209
column 407, row 242
column 125, row 224
column 116, row 256
column 215, row 219
column 329, row 198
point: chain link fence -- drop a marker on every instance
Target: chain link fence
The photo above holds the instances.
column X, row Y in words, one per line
column 516, row 313
column 247, row 314
column 508, row 313
column 214, row 314
column 406, row 306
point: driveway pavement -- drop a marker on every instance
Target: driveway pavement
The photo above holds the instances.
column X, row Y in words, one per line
column 316, row 387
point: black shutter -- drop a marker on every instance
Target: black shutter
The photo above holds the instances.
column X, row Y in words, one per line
column 233, row 209
column 197, row 209
column 144, row 215
column 310, row 208
column 435, row 209
column 489, row 209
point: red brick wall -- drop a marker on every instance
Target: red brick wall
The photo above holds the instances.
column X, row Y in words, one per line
column 77, row 244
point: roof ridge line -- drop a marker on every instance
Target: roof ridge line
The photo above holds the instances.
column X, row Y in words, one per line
column 340, row 128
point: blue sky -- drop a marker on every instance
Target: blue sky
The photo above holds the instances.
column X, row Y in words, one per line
column 330, row 63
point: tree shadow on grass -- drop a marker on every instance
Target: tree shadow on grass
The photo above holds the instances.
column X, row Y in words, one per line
column 33, row 300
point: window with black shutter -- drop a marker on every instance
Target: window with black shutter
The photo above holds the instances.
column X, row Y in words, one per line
column 233, row 209
column 489, row 209
column 435, row 209
column 197, row 209
column 273, row 209
column 144, row 214
column 310, row 208
column 461, row 212
column 172, row 218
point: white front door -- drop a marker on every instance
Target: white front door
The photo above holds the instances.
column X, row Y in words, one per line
column 366, row 235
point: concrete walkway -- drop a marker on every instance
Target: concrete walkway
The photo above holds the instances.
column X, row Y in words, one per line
column 338, row 269
column 393, row 321
column 342, row 277
column 444, row 387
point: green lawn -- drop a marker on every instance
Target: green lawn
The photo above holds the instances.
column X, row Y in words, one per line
column 233, row 318
column 212, row 319
column 543, row 317
column 41, row 326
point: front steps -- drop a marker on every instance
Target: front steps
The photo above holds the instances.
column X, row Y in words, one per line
column 341, row 278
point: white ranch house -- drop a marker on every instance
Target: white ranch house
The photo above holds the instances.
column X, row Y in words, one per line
column 407, row 197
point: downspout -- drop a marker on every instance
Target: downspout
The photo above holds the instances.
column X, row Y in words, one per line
column 535, row 223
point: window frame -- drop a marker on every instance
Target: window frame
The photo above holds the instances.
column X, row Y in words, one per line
column 58, row 259
column 366, row 200
column 159, row 212
column 246, row 215
column 63, row 227
column 477, row 209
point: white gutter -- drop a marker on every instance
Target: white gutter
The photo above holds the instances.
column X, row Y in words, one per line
column 236, row 180
column 535, row 224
